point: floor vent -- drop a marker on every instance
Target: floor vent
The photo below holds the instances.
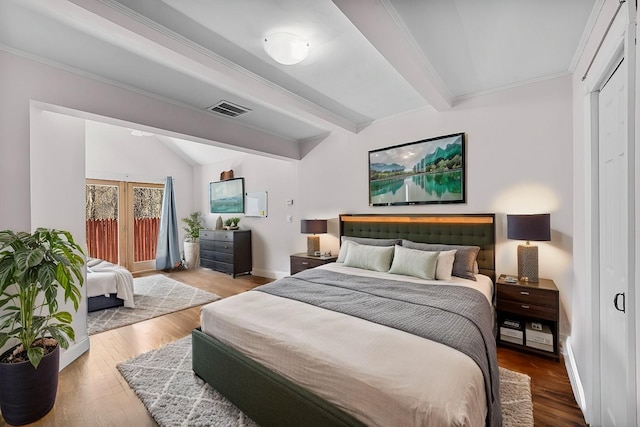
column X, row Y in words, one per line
column 228, row 109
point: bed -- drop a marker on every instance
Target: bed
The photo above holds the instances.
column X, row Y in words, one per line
column 293, row 353
column 108, row 285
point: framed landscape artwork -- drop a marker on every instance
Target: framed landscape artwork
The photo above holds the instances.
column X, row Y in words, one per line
column 421, row 172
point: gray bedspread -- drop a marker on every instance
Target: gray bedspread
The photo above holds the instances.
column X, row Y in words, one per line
column 456, row 316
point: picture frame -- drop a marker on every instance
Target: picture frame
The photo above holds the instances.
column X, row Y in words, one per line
column 227, row 197
column 429, row 171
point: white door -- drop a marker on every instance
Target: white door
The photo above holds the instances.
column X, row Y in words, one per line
column 614, row 251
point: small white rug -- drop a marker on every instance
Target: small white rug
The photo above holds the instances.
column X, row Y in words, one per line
column 174, row 396
column 153, row 296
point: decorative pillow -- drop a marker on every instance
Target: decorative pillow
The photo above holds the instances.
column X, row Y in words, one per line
column 413, row 262
column 376, row 258
column 464, row 259
column 344, row 248
column 363, row 241
column 445, row 264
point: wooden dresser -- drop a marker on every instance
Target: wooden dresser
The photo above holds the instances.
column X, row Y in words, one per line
column 226, row 251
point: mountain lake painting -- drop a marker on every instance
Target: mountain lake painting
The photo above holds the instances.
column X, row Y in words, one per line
column 427, row 171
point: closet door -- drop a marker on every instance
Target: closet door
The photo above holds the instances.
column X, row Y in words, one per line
column 615, row 244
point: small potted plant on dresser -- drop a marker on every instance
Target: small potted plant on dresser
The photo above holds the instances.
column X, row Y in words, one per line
column 191, row 244
column 34, row 268
column 232, row 223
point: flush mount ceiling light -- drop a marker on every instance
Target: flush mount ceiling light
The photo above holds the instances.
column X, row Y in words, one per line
column 286, row 48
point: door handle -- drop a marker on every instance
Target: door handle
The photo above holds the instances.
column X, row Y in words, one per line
column 615, row 302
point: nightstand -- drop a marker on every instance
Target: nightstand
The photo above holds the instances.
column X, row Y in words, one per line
column 524, row 307
column 302, row 261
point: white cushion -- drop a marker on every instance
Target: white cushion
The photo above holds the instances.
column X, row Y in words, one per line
column 413, row 262
column 376, row 258
column 445, row 264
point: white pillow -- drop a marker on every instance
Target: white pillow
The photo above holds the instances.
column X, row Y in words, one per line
column 344, row 248
column 445, row 264
column 414, row 262
column 376, row 258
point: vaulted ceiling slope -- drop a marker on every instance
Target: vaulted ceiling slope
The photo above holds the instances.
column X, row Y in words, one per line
column 368, row 59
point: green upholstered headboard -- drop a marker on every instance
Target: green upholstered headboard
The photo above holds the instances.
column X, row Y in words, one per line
column 451, row 229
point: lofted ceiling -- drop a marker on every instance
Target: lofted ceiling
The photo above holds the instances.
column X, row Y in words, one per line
column 368, row 59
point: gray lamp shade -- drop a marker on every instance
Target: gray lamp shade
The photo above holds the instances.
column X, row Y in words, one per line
column 313, row 226
column 529, row 227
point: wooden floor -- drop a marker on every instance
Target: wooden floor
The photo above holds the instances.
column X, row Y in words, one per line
column 91, row 391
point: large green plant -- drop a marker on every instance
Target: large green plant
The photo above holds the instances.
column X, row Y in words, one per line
column 194, row 224
column 34, row 267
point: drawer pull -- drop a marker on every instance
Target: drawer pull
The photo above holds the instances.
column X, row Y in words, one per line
column 524, row 293
column 526, row 307
column 305, row 263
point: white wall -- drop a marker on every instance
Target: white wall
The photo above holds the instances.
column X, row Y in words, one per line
column 519, row 159
column 273, row 238
column 57, row 196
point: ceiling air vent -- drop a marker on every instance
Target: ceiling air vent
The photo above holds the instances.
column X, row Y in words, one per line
column 228, row 109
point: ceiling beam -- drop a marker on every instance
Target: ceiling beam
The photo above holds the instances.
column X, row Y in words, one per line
column 108, row 21
column 378, row 22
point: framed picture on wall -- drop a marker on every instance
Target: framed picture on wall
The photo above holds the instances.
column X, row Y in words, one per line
column 421, row 172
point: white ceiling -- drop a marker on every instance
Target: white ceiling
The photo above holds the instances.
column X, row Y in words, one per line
column 368, row 60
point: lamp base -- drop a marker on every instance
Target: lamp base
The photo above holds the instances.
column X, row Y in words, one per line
column 528, row 263
column 313, row 245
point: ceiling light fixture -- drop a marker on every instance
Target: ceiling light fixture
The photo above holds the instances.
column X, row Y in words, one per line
column 286, row 48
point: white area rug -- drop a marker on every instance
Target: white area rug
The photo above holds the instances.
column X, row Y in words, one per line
column 153, row 296
column 175, row 396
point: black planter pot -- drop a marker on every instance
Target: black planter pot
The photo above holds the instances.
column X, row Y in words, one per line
column 26, row 393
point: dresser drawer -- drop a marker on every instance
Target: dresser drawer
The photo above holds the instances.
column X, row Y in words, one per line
column 224, row 267
column 207, row 245
column 528, row 295
column 223, row 257
column 529, row 310
column 207, row 263
column 206, row 235
column 221, row 246
column 206, row 254
column 224, row 236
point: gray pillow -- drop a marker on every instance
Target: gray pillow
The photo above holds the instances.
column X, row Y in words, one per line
column 376, row 258
column 363, row 241
column 463, row 264
column 413, row 262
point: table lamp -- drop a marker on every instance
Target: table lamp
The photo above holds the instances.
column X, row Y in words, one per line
column 313, row 226
column 535, row 227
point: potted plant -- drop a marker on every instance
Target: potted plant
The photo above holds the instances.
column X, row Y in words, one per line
column 191, row 246
column 34, row 268
column 232, row 223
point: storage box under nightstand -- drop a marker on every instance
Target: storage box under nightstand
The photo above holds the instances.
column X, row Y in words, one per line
column 512, row 331
column 542, row 340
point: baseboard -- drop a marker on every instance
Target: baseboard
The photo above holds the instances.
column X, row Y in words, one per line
column 269, row 274
column 73, row 352
column 574, row 377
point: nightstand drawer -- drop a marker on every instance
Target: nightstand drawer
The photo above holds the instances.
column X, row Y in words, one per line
column 528, row 296
column 302, row 261
column 529, row 310
column 305, row 263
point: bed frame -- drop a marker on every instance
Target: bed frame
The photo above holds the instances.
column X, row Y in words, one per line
column 102, row 302
column 272, row 400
